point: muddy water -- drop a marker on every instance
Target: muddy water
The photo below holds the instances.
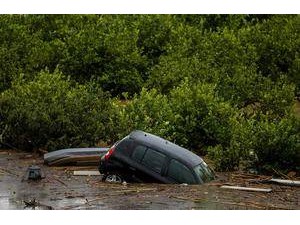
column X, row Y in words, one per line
column 63, row 191
column 14, row 194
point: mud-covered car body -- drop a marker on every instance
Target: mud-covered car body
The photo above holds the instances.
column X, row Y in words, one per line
column 144, row 157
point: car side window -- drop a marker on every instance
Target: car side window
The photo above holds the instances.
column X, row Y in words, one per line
column 180, row 172
column 154, row 160
column 138, row 152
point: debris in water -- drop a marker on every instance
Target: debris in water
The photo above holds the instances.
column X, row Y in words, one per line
column 34, row 173
column 34, row 204
column 247, row 188
column 31, row 203
column 87, row 173
column 285, row 182
column 75, row 156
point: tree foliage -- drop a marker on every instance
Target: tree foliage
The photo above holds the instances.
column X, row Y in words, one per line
column 52, row 112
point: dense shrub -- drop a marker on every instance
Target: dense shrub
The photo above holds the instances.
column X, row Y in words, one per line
column 190, row 116
column 53, row 112
column 154, row 34
column 277, row 144
column 277, row 46
column 263, row 143
column 218, row 58
column 200, row 118
column 276, row 98
column 225, row 159
column 150, row 111
column 105, row 50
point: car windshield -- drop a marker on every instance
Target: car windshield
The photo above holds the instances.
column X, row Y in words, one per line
column 204, row 172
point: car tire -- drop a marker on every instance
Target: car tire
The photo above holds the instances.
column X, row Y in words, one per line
column 112, row 178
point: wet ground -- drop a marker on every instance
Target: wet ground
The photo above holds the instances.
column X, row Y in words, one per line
column 60, row 189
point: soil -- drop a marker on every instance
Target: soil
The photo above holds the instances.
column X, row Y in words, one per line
column 60, row 189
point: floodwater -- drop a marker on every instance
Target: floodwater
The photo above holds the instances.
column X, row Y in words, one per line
column 61, row 190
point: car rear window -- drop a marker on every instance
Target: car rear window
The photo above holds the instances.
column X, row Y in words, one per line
column 154, row 160
column 180, row 172
column 124, row 146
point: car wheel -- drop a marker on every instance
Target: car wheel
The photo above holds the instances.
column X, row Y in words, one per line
column 113, row 178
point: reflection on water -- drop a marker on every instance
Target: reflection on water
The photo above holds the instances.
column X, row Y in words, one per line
column 15, row 194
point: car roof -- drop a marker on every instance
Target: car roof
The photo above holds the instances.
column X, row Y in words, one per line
column 171, row 149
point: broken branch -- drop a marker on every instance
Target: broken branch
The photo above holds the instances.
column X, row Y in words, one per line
column 247, row 188
column 285, row 182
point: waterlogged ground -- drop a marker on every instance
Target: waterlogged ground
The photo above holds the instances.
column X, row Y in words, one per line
column 62, row 190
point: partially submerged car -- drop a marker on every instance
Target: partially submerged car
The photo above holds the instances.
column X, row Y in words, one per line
column 144, row 157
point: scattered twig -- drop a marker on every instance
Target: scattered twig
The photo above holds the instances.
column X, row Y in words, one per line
column 95, row 199
column 9, row 172
column 135, row 190
column 259, row 181
column 181, row 198
column 146, row 189
column 87, row 202
column 257, row 204
column 242, row 204
column 245, row 176
column 75, row 196
column 215, row 184
column 60, row 181
column 281, row 174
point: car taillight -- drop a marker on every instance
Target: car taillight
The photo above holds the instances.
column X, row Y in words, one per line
column 109, row 153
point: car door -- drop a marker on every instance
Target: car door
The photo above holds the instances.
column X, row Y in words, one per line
column 149, row 164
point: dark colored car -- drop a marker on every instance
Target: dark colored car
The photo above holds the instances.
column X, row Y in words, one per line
column 144, row 157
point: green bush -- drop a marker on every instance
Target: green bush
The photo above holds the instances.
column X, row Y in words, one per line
column 200, row 118
column 225, row 159
column 154, row 35
column 190, row 116
column 276, row 98
column 53, row 112
column 262, row 143
column 274, row 143
column 277, row 46
column 104, row 49
column 150, row 111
